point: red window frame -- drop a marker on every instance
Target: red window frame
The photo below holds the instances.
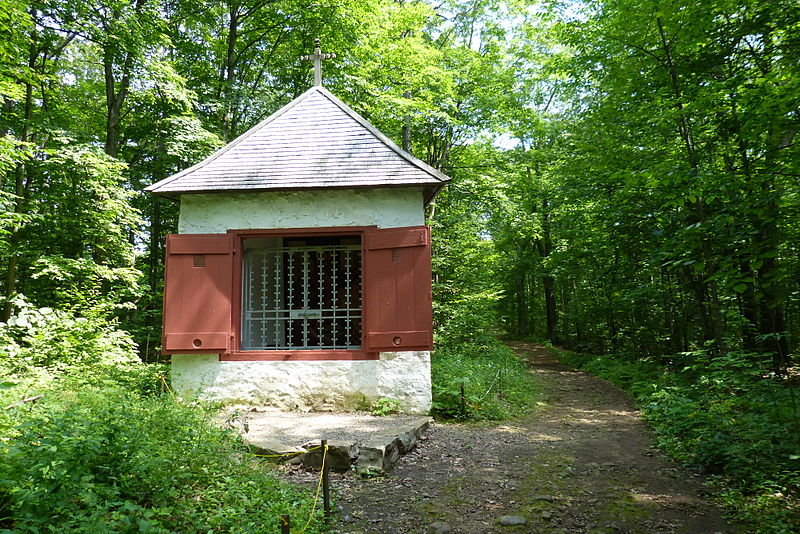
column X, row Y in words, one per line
column 203, row 293
column 236, row 353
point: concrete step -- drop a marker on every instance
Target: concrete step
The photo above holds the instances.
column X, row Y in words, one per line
column 355, row 441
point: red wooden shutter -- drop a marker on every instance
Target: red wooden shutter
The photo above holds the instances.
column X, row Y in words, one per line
column 397, row 289
column 197, row 293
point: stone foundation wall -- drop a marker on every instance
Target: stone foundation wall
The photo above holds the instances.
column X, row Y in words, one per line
column 307, row 385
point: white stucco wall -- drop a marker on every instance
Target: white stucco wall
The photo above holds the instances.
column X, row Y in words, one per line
column 305, row 385
column 344, row 385
column 219, row 212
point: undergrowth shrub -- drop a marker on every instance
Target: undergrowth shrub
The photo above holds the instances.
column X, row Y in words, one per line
column 496, row 381
column 110, row 461
column 42, row 345
column 104, row 448
column 470, row 320
column 729, row 415
column 45, row 351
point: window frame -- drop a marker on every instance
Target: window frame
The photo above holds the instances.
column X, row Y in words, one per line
column 203, row 282
column 235, row 353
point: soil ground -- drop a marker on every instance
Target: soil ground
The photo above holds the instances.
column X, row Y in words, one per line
column 581, row 463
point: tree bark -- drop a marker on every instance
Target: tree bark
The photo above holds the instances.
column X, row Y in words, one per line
column 521, row 294
column 545, row 246
column 116, row 93
column 710, row 305
column 114, row 100
column 407, row 128
column 20, row 190
column 156, row 255
column 229, row 70
column 771, row 320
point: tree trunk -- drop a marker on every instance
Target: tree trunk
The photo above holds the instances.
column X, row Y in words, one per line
column 521, row 294
column 407, row 128
column 155, row 244
column 544, row 246
column 763, row 302
column 20, row 190
column 566, row 304
column 771, row 321
column 711, row 313
column 116, row 94
column 229, row 69
column 548, row 281
column 579, row 329
column 548, row 284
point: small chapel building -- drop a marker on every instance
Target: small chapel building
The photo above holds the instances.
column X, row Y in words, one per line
column 300, row 276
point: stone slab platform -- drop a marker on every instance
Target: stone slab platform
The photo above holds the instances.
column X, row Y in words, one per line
column 355, row 440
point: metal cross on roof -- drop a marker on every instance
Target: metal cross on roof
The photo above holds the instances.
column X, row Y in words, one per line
column 317, row 58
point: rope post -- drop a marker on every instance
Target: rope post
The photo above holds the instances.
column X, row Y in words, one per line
column 500, row 393
column 463, row 401
column 326, row 475
column 286, row 524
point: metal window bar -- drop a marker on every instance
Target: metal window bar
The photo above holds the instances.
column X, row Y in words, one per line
column 290, row 276
column 334, row 294
column 302, row 314
column 278, row 287
column 347, row 295
column 304, row 262
column 264, row 301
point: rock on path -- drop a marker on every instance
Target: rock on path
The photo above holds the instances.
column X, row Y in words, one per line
column 581, row 464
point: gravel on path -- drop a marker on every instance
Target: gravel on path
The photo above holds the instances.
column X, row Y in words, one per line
column 583, row 463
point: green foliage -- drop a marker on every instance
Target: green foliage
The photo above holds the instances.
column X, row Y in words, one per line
column 764, row 508
column 727, row 414
column 469, row 319
column 104, row 449
column 43, row 351
column 625, row 171
column 385, row 406
column 110, row 461
column 58, row 344
column 496, row 382
column 76, row 226
column 9, row 219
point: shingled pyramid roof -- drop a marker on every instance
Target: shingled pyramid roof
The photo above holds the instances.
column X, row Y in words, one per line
column 314, row 142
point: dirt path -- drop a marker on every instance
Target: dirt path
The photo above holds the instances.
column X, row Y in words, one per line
column 581, row 464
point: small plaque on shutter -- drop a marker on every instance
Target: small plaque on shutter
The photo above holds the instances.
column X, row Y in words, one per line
column 199, row 260
column 397, row 255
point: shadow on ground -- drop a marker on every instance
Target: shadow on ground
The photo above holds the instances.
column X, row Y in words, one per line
column 582, row 464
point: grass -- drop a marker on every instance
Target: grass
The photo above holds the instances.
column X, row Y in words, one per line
column 495, row 382
column 106, row 448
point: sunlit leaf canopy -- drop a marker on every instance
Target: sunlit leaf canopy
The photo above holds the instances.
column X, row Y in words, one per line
column 625, row 172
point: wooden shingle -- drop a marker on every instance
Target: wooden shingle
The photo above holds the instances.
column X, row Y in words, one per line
column 314, row 142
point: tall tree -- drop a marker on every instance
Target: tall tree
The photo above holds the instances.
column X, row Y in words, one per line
column 681, row 149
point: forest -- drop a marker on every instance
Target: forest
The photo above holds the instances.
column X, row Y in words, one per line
column 625, row 186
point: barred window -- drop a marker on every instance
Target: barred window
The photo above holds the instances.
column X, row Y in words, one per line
column 298, row 294
column 301, row 293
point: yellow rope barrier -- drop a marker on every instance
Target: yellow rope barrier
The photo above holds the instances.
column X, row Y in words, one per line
column 166, row 386
column 319, row 482
column 319, row 486
column 286, row 455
